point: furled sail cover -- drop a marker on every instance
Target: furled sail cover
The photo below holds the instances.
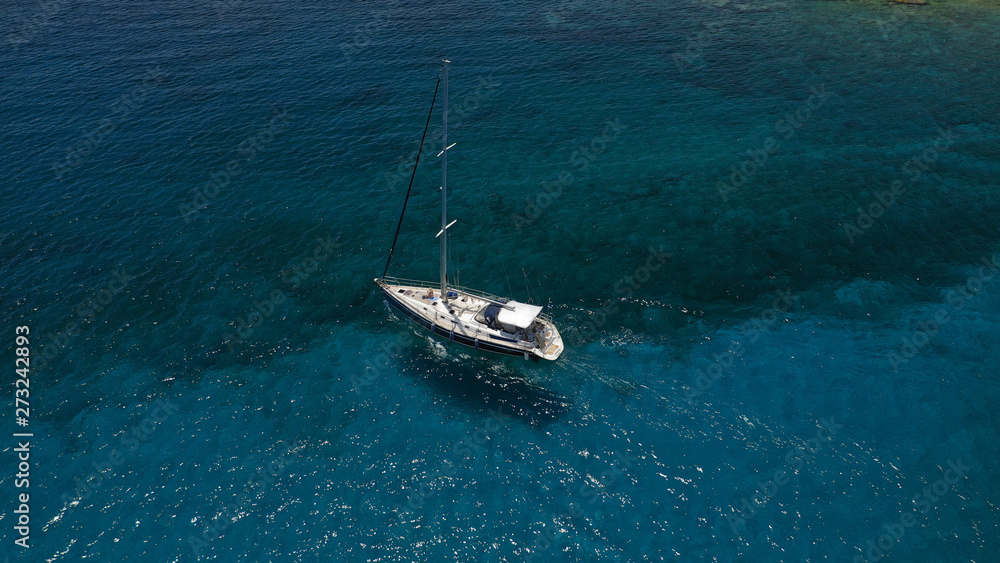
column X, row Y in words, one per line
column 517, row 314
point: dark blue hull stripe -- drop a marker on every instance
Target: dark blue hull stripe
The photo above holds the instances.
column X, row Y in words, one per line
column 483, row 344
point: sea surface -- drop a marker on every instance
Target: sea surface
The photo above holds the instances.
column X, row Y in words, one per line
column 768, row 231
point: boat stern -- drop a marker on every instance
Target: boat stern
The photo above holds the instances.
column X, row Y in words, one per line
column 550, row 345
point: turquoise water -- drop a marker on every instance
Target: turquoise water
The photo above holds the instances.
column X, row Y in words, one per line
column 768, row 231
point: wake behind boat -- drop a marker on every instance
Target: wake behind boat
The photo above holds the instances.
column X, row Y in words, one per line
column 466, row 316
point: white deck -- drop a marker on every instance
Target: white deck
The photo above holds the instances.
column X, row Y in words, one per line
column 459, row 315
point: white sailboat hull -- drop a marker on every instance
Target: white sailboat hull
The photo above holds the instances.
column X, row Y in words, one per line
column 456, row 320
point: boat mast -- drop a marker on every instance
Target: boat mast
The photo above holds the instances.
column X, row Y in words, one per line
column 444, row 186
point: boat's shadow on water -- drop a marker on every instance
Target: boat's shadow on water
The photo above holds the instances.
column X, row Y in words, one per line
column 487, row 384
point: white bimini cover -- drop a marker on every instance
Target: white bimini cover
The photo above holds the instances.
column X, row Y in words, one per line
column 518, row 314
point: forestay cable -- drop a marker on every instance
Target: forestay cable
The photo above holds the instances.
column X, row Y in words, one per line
column 412, row 176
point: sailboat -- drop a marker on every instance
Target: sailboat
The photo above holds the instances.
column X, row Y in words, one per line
column 473, row 318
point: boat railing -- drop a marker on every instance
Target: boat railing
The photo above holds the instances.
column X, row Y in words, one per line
column 474, row 293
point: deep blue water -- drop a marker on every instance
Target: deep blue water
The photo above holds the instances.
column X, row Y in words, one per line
column 768, row 230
